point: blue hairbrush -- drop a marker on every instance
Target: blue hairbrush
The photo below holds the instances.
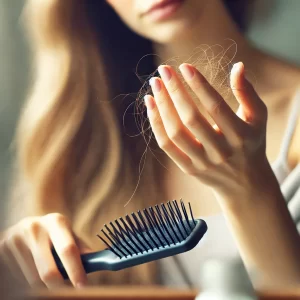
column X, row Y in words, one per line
column 154, row 233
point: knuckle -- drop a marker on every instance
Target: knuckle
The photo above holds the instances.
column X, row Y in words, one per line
column 32, row 227
column 165, row 144
column 192, row 121
column 157, row 122
column 176, row 134
column 174, row 88
column 160, row 100
column 239, row 144
column 191, row 171
column 217, row 158
column 199, row 83
column 16, row 241
column 220, row 160
column 68, row 250
column 48, row 274
column 35, row 281
column 12, row 240
column 58, row 218
column 215, row 109
column 9, row 241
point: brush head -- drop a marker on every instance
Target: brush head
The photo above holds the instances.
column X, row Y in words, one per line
column 154, row 233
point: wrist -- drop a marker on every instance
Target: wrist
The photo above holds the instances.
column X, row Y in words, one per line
column 257, row 183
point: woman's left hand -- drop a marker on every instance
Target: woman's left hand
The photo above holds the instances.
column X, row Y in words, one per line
column 225, row 156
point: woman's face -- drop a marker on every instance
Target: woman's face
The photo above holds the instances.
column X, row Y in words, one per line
column 161, row 21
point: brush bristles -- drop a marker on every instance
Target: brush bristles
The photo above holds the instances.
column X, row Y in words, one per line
column 153, row 228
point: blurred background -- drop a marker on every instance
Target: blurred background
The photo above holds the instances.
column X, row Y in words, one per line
column 274, row 26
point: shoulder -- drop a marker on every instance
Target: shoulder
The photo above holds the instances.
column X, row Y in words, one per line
column 278, row 82
column 283, row 76
column 282, row 90
column 291, row 79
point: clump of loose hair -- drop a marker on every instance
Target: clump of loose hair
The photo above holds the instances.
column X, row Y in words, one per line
column 214, row 62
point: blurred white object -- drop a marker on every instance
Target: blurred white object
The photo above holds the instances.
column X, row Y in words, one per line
column 225, row 280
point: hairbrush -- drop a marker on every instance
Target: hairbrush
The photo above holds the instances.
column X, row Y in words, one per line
column 154, row 233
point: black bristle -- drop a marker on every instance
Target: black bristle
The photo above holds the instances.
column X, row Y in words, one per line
column 153, row 227
column 120, row 235
column 161, row 226
column 111, row 248
column 185, row 214
column 119, row 241
column 141, row 230
column 179, row 215
column 158, row 225
column 176, row 222
column 113, row 243
column 137, row 233
column 147, row 230
column 191, row 212
column 130, row 234
column 160, row 215
column 168, row 219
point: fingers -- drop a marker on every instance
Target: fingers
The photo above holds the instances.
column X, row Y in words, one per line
column 212, row 101
column 252, row 107
column 46, row 266
column 24, row 258
column 27, row 251
column 189, row 113
column 38, row 241
column 11, row 265
column 174, row 127
column 163, row 140
column 61, row 236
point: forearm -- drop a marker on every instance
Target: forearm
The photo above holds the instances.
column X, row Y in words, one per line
column 264, row 231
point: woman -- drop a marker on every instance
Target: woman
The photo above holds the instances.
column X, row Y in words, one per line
column 74, row 158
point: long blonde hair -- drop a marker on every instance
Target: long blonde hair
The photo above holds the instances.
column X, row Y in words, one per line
column 72, row 152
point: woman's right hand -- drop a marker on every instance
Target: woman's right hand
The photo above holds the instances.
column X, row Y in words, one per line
column 26, row 248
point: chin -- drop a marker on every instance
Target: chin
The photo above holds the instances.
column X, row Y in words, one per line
column 168, row 33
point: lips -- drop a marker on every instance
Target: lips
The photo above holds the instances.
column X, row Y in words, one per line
column 163, row 9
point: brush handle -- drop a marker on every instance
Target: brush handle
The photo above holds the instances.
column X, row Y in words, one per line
column 92, row 262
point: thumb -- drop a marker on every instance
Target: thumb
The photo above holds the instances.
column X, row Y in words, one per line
column 252, row 109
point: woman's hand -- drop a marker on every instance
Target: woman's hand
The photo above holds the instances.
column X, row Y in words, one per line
column 230, row 157
column 26, row 249
column 224, row 155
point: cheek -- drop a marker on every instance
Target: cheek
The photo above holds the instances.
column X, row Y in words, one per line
column 127, row 11
column 123, row 8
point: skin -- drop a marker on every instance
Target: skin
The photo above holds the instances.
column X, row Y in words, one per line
column 229, row 158
column 26, row 250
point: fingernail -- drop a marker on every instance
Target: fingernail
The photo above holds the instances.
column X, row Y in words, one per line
column 155, row 84
column 149, row 102
column 165, row 73
column 187, row 71
column 237, row 66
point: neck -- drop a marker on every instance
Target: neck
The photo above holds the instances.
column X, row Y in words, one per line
column 213, row 28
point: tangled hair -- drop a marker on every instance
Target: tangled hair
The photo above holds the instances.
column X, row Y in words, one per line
column 72, row 157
